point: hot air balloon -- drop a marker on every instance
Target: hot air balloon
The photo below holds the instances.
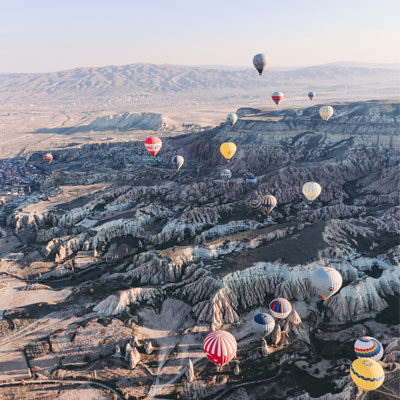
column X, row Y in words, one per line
column 263, row 324
column 326, row 112
column 228, row 150
column 231, row 118
column 280, row 308
column 226, row 174
column 311, row 95
column 251, row 180
column 269, row 203
column 220, row 347
column 368, row 347
column 367, row 374
column 255, row 205
column 48, row 158
column 178, row 162
column 311, row 190
column 326, row 281
column 260, row 61
column 277, row 97
column 153, row 145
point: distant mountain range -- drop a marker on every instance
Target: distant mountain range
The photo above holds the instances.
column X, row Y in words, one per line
column 144, row 82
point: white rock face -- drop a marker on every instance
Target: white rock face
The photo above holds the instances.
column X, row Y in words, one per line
column 117, row 303
column 364, row 296
column 190, row 376
column 128, row 121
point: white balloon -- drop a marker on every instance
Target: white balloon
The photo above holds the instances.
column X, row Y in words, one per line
column 231, row 118
column 326, row 281
column 263, row 324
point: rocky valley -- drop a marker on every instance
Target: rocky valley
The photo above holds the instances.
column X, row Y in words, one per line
column 115, row 271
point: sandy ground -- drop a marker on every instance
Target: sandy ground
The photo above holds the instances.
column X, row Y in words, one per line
column 13, row 295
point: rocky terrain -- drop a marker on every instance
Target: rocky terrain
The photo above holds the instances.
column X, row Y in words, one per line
column 129, row 264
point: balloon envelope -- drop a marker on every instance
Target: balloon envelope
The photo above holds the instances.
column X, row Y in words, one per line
column 311, row 190
column 326, row 281
column 228, row 150
column 326, row 112
column 263, row 324
column 277, row 97
column 226, row 174
column 255, row 205
column 48, row 158
column 231, row 118
column 220, row 347
column 251, row 180
column 269, row 203
column 178, row 161
column 368, row 347
column 280, row 308
column 311, row 95
column 367, row 374
column 260, row 61
column 153, row 145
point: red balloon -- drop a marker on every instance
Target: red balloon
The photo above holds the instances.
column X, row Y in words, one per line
column 277, row 97
column 220, row 347
column 153, row 145
column 48, row 157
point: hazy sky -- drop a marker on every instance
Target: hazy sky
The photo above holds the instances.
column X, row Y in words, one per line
column 50, row 35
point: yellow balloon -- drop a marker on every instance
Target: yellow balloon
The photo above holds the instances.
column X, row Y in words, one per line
column 367, row 373
column 228, row 150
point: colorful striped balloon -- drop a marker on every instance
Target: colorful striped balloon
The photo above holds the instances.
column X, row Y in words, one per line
column 269, row 203
column 255, row 205
column 367, row 374
column 280, row 308
column 311, row 190
column 220, row 347
column 368, row 347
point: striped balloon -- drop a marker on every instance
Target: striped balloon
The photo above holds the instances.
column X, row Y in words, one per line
column 263, row 324
column 226, row 174
column 48, row 158
column 153, row 145
column 277, row 97
column 220, row 347
column 326, row 112
column 269, row 203
column 368, row 347
column 367, row 374
column 311, row 190
column 255, row 205
column 280, row 308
